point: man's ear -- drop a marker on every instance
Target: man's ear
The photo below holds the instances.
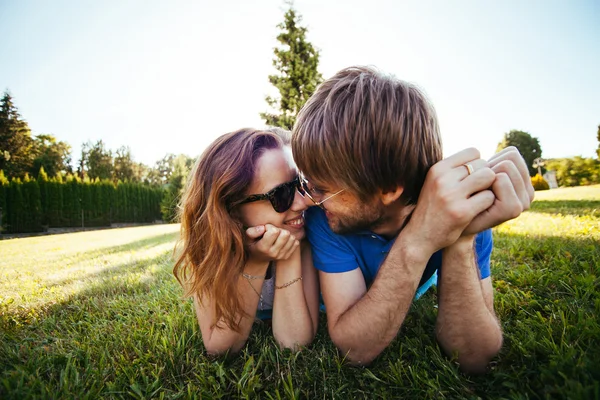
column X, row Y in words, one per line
column 389, row 196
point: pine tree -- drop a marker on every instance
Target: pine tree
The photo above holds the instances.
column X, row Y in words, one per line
column 55, row 202
column 43, row 183
column 16, row 144
column 297, row 64
column 15, row 207
column 32, row 205
column 86, row 202
column 4, row 184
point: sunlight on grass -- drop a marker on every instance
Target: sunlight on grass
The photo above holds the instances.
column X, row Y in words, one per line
column 570, row 193
column 36, row 270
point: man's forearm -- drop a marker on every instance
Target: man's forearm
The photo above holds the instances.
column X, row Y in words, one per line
column 367, row 328
column 465, row 326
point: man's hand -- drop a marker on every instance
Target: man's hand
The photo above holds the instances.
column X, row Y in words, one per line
column 269, row 243
column 451, row 198
column 512, row 190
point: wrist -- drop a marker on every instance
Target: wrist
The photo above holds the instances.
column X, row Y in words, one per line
column 256, row 267
column 464, row 244
column 417, row 250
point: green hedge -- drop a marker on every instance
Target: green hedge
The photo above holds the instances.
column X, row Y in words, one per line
column 34, row 205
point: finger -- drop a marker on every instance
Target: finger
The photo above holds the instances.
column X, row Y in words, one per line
column 506, row 206
column 462, row 157
column 255, row 232
column 280, row 243
column 480, row 202
column 269, row 238
column 516, row 179
column 479, row 180
column 512, row 154
column 289, row 248
column 501, row 153
column 509, row 203
column 461, row 172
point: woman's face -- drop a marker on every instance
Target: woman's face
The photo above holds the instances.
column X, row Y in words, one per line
column 274, row 167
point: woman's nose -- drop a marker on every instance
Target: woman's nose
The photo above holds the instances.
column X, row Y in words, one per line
column 300, row 203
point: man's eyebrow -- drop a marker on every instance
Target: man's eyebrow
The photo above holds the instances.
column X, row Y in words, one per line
column 318, row 185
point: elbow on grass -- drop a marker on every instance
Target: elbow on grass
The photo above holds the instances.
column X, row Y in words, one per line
column 475, row 362
column 357, row 358
column 355, row 355
column 293, row 344
column 218, row 349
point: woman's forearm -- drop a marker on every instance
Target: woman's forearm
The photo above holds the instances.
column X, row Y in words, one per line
column 292, row 322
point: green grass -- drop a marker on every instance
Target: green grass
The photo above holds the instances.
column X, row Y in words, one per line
column 99, row 315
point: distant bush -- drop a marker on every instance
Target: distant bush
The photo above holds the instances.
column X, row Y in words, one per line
column 539, row 183
column 575, row 171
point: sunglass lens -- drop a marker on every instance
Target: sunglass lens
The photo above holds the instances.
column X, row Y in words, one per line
column 283, row 197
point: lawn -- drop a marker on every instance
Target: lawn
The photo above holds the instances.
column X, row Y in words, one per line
column 99, row 315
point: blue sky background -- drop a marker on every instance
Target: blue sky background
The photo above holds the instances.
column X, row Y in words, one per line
column 170, row 76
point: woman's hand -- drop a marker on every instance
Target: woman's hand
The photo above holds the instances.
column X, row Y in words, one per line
column 269, row 243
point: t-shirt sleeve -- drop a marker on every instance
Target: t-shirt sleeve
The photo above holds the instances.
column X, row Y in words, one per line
column 331, row 252
column 483, row 249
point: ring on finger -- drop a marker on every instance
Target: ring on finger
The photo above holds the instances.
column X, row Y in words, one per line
column 469, row 168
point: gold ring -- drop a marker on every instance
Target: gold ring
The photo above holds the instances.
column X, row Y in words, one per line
column 469, row 168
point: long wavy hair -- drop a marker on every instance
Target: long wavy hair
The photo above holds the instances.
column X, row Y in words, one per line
column 211, row 252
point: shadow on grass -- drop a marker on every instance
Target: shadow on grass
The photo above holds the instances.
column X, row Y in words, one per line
column 141, row 244
column 567, row 207
column 92, row 342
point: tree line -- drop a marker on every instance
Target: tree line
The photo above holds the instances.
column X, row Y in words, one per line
column 41, row 189
column 34, row 205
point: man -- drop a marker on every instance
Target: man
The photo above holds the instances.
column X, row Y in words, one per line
column 392, row 212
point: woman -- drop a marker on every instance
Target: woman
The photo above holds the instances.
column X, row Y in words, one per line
column 243, row 252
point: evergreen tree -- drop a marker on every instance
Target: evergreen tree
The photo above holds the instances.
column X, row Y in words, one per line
column 15, row 207
column 16, row 144
column 3, row 195
column 122, row 202
column 86, row 202
column 32, row 205
column 296, row 62
column 55, row 202
column 72, row 201
column 42, row 180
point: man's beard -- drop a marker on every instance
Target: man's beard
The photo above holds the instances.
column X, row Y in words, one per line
column 366, row 217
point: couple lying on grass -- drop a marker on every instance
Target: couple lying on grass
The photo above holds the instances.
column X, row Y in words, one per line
column 369, row 216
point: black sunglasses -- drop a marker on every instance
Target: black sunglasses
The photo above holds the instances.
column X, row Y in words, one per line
column 281, row 197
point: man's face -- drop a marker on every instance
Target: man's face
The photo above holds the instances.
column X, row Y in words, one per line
column 345, row 212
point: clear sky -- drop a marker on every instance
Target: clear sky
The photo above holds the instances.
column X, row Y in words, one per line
column 170, row 76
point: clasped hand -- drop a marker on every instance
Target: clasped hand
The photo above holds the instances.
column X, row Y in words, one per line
column 457, row 200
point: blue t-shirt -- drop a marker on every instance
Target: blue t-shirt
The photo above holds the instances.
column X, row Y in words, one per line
column 366, row 250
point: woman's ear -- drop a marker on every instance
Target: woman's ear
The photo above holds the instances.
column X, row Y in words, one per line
column 390, row 196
